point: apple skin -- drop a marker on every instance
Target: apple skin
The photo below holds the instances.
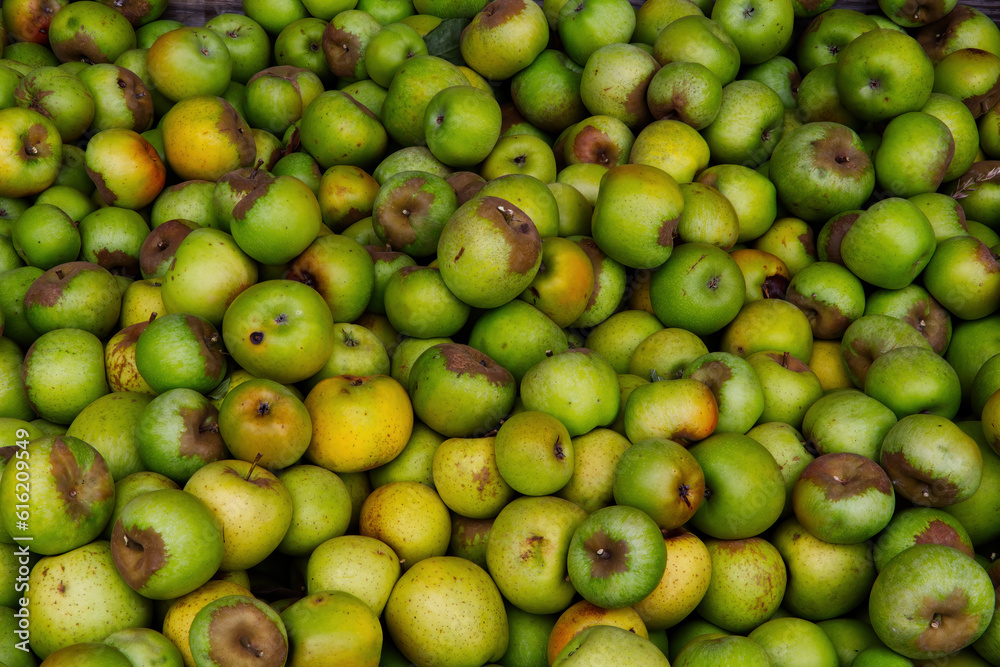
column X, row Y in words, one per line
column 747, row 585
column 760, row 33
column 463, row 622
column 847, row 421
column 362, row 566
column 32, row 147
column 843, row 572
column 539, row 584
column 843, row 498
column 933, row 388
column 713, row 292
column 956, row 589
column 911, row 240
column 616, row 556
column 913, row 456
column 590, row 401
column 73, row 619
column 177, row 527
column 745, row 492
column 252, row 505
column 794, row 639
column 920, row 525
column 602, row 644
column 701, row 40
column 332, row 625
column 875, row 85
column 820, row 169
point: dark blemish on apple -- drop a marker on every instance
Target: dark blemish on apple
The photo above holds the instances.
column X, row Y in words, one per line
column 137, row 553
column 342, row 50
column 61, row 587
column 80, row 490
column 137, row 98
column 118, row 262
column 462, row 359
column 846, row 475
column 200, row 436
column 257, row 337
column 246, row 635
column 35, row 144
column 949, row 627
column 482, row 477
column 608, row 556
column 232, row 126
column 712, row 374
column 915, row 485
column 458, row 255
column 559, row 451
column 668, row 232
column 939, row 532
column 499, row 12
column 405, row 208
column 594, row 145
column 47, row 289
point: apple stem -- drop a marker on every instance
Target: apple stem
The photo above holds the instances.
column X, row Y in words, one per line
column 152, row 316
column 936, row 621
column 253, row 466
column 603, row 554
column 784, row 358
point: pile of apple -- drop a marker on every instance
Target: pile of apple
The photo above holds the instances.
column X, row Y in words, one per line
column 445, row 333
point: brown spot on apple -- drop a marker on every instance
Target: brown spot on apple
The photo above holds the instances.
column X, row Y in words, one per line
column 939, row 532
column 845, row 475
column 244, row 635
column 232, row 125
column 949, row 626
column 137, row 98
column 517, row 229
column 78, row 489
column 918, row 486
column 463, row 359
column 403, row 202
column 668, row 232
column 594, row 145
column 138, row 553
column 499, row 12
column 607, row 555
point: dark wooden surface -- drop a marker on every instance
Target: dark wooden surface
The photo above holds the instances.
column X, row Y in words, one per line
column 196, row 12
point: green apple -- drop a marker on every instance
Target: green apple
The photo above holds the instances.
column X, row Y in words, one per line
column 74, row 295
column 745, row 492
column 462, row 622
column 747, row 585
column 938, row 615
column 449, row 120
column 790, row 452
column 820, row 169
column 687, row 91
column 749, row 123
column 911, row 455
column 616, row 557
column 960, row 276
column 332, row 625
column 909, row 138
column 847, row 421
column 74, row 618
column 252, row 505
column 460, row 392
column 824, row 580
column 934, row 389
column 920, row 525
column 321, row 508
column 871, row 336
column 199, row 54
column 897, row 229
column 698, row 39
column 587, row 25
column 91, row 33
column 591, row 400
column 502, row 39
column 795, row 640
column 714, row 289
column 489, row 252
column 194, row 347
column 178, row 433
column 362, row 566
column 330, row 119
column 601, row 644
column 266, row 328
column 662, row 479
column 760, row 31
column 547, row 92
column 63, row 372
column 636, row 215
column 540, row 583
column 45, row 236
column 166, row 543
column 883, row 73
column 410, row 210
column 843, row 498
